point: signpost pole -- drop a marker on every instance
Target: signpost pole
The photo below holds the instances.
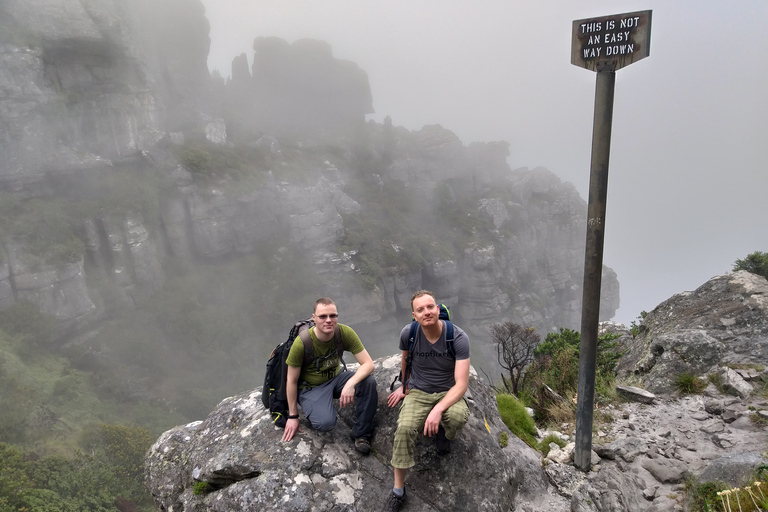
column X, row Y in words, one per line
column 593, row 265
column 603, row 45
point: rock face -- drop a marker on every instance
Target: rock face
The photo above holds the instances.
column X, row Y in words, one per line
column 117, row 92
column 85, row 83
column 723, row 322
column 238, row 451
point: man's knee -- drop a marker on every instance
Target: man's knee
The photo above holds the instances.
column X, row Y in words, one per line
column 322, row 424
column 407, row 427
column 456, row 417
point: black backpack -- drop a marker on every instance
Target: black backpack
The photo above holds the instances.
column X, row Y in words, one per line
column 445, row 315
column 273, row 394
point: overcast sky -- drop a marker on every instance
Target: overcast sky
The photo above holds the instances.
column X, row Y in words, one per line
column 687, row 181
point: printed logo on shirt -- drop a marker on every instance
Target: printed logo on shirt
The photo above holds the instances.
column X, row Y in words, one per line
column 431, row 353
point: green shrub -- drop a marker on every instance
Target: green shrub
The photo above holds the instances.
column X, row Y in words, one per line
column 756, row 263
column 543, row 446
column 503, row 440
column 23, row 319
column 46, row 231
column 557, row 359
column 63, row 484
column 201, row 488
column 634, row 326
column 516, row 418
column 125, row 448
column 195, row 159
column 687, row 383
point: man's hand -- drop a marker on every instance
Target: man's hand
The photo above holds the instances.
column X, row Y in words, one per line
column 432, row 423
column 347, row 396
column 291, row 426
column 395, row 397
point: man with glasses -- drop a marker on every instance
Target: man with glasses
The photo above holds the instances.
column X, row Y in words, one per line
column 315, row 386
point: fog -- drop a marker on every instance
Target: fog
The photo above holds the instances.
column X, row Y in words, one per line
column 687, row 175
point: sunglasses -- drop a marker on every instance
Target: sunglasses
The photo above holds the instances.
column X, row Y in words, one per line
column 332, row 316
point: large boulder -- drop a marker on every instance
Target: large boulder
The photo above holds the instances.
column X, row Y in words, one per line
column 239, row 454
column 723, row 322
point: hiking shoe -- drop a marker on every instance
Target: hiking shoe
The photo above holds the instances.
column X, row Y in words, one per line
column 442, row 443
column 394, row 503
column 363, row 445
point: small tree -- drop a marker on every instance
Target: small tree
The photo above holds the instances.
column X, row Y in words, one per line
column 756, row 263
column 515, row 346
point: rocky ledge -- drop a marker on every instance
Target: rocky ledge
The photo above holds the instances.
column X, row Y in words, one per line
column 238, row 453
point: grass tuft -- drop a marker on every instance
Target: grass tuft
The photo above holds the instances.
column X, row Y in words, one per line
column 517, row 419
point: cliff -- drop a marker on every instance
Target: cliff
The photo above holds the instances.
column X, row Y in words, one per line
column 111, row 127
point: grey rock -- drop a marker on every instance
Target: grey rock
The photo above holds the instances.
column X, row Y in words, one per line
column 714, row 406
column 216, row 131
column 629, row 448
column 733, row 383
column 60, row 291
column 636, row 394
column 685, row 333
column 565, row 477
column 238, row 451
column 713, row 426
column 649, row 493
column 494, row 210
column 730, row 415
column 744, row 423
column 608, row 490
column 562, row 455
column 6, row 290
column 666, row 470
column 732, row 468
column 701, row 415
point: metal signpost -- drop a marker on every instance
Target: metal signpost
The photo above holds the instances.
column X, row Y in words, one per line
column 602, row 45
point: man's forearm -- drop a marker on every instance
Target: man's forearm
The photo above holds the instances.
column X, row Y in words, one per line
column 451, row 397
column 291, row 394
column 363, row 371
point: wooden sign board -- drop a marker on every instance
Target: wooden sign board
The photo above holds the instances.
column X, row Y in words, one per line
column 611, row 42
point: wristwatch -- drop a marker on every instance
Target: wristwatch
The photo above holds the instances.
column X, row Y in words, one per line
column 293, row 416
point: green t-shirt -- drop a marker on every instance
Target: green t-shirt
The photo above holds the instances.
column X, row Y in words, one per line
column 328, row 367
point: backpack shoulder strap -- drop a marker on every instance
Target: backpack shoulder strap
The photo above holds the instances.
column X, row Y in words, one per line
column 409, row 359
column 309, row 351
column 339, row 345
column 412, row 336
column 449, row 337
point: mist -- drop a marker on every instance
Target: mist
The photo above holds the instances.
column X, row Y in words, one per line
column 687, row 177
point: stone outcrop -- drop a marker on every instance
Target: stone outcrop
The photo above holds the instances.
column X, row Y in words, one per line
column 300, row 90
column 723, row 322
column 239, row 453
